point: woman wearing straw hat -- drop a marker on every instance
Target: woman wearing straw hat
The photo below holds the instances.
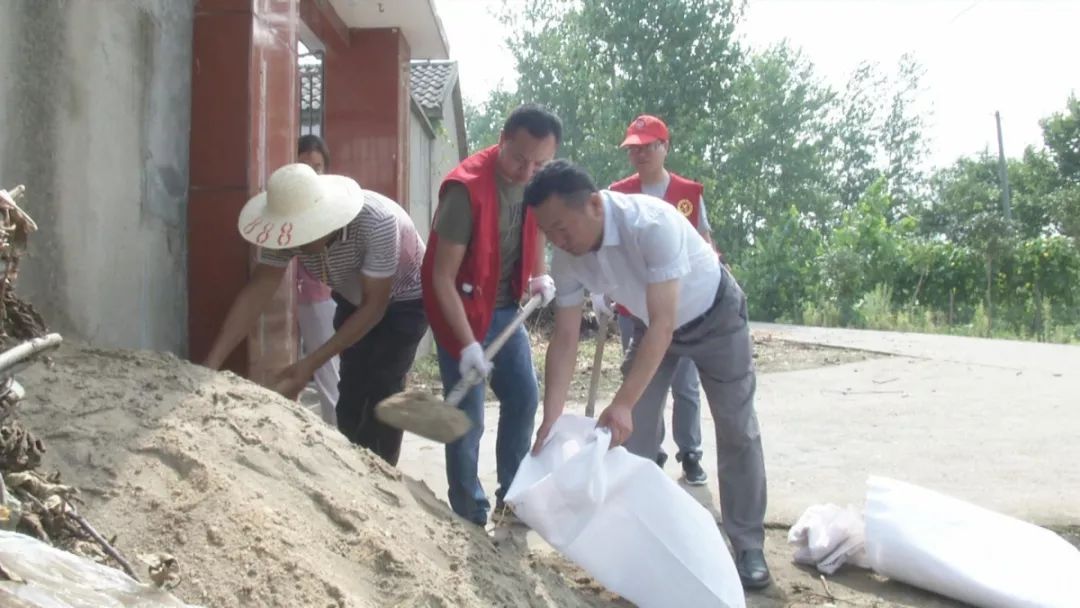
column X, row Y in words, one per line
column 366, row 248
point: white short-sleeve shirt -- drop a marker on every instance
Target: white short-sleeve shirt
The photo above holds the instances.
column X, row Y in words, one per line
column 645, row 241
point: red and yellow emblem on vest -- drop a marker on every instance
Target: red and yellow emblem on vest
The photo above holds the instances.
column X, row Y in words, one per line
column 685, row 207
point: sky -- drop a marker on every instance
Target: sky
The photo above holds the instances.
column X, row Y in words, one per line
column 1018, row 57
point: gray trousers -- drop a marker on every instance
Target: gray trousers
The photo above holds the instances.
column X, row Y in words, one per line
column 720, row 347
column 685, row 393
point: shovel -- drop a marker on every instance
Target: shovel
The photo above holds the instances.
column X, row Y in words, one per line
column 426, row 415
column 597, row 363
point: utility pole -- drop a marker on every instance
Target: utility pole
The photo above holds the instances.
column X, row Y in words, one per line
column 1003, row 171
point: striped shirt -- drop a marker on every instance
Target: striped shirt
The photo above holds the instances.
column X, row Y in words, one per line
column 380, row 242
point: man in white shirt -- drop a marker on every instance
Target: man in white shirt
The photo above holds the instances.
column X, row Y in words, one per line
column 640, row 251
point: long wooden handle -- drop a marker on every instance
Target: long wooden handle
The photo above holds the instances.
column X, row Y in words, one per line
column 597, row 363
column 473, row 377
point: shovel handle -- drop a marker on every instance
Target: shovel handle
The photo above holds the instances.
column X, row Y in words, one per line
column 597, row 363
column 471, row 379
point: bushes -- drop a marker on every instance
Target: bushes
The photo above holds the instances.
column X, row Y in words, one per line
column 872, row 274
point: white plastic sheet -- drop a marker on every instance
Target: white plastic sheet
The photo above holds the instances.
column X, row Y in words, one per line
column 624, row 521
column 828, row 536
column 966, row 552
column 57, row 579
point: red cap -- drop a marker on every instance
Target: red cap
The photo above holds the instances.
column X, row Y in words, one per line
column 645, row 129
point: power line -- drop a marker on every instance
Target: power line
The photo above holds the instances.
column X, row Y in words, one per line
column 964, row 11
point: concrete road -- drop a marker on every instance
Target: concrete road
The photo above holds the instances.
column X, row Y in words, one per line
column 994, row 422
column 1007, row 354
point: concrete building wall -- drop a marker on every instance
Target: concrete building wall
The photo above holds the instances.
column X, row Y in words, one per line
column 420, row 202
column 420, row 175
column 441, row 156
column 444, row 151
column 94, row 120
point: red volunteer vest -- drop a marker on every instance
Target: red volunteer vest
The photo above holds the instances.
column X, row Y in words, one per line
column 683, row 194
column 478, row 278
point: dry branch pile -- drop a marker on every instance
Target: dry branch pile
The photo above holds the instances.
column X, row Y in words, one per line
column 32, row 502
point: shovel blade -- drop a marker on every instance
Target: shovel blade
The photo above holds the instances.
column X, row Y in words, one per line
column 423, row 414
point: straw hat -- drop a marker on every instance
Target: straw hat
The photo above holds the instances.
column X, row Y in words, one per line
column 299, row 206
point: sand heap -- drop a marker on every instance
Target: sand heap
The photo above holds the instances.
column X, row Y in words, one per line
column 260, row 502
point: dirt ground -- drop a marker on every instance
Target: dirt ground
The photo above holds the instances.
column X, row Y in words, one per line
column 770, row 355
column 262, row 503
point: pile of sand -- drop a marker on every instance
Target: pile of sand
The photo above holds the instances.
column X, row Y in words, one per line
column 261, row 503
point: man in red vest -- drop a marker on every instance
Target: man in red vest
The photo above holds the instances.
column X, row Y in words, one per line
column 484, row 255
column 647, row 145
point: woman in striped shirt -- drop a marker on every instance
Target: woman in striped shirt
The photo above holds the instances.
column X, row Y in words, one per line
column 366, row 248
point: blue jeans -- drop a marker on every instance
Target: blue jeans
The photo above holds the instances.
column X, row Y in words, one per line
column 514, row 382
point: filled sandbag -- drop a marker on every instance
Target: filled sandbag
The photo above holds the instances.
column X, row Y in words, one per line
column 624, row 521
column 966, row 552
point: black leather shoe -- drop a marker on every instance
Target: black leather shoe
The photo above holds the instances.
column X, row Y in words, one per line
column 753, row 571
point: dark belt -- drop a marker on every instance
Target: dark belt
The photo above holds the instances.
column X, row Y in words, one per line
column 692, row 323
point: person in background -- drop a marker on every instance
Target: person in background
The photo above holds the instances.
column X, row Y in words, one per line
column 485, row 254
column 647, row 144
column 366, row 248
column 314, row 305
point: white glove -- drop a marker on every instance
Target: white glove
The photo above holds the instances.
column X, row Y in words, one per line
column 600, row 306
column 472, row 358
column 543, row 285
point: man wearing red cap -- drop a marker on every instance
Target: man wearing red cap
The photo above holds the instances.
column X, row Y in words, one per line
column 647, row 146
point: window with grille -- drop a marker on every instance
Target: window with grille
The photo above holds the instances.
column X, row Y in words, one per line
column 310, row 65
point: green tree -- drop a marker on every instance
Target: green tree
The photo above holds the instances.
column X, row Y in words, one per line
column 1033, row 180
column 754, row 128
column 821, row 199
column 971, row 186
column 599, row 63
column 904, row 145
column 858, row 129
column 1046, row 271
column 1064, row 208
column 484, row 121
column 864, row 251
column 778, row 158
column 967, row 211
column 779, row 272
column 879, row 132
column 993, row 237
column 939, row 275
column 1061, row 133
column 960, row 192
